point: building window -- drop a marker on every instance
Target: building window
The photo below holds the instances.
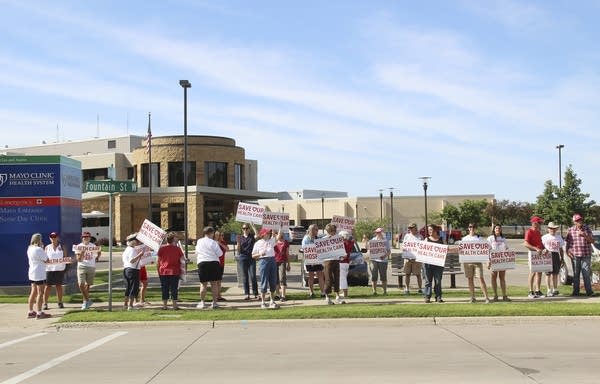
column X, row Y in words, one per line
column 131, row 173
column 112, row 144
column 176, row 173
column 239, row 176
column 176, row 217
column 215, row 174
column 155, row 175
column 95, row 174
column 214, row 214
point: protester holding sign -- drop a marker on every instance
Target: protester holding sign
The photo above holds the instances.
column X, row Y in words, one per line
column 471, row 269
column 282, row 254
column 412, row 266
column 433, row 273
column 579, row 249
column 264, row 252
column 345, row 261
column 37, row 276
column 554, row 243
column 533, row 242
column 245, row 243
column 131, row 270
column 331, row 271
column 379, row 261
column 170, row 261
column 309, row 238
column 220, row 238
column 498, row 243
column 87, row 255
column 207, row 256
column 55, row 270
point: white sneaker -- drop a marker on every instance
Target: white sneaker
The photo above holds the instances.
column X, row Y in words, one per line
column 84, row 306
column 406, row 291
column 328, row 301
column 273, row 305
column 339, row 301
column 264, row 305
column 200, row 305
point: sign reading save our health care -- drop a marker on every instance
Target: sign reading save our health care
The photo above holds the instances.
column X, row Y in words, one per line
column 249, row 213
column 151, row 235
column 474, row 252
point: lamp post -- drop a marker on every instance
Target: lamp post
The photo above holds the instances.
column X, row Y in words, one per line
column 392, row 211
column 185, row 84
column 560, row 147
column 322, row 210
column 425, row 180
column 381, row 204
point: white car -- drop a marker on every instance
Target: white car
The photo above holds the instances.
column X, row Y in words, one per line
column 565, row 274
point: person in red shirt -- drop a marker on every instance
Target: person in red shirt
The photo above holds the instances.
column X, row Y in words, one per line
column 345, row 262
column 220, row 239
column 170, row 258
column 533, row 242
column 282, row 252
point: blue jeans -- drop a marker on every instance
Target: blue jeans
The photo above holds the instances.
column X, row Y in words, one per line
column 433, row 274
column 582, row 266
column 249, row 275
column 267, row 269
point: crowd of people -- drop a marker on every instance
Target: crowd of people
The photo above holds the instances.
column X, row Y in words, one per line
column 269, row 250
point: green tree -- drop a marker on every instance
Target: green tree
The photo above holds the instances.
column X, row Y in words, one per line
column 451, row 215
column 367, row 227
column 231, row 226
column 572, row 200
column 469, row 211
column 547, row 204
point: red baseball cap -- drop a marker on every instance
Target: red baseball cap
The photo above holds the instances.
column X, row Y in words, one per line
column 86, row 234
column 577, row 217
column 263, row 232
column 379, row 230
column 537, row 219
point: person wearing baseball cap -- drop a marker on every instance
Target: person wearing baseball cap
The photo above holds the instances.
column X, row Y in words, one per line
column 533, row 242
column 579, row 248
column 379, row 265
column 87, row 255
column 55, row 270
column 554, row 243
column 412, row 266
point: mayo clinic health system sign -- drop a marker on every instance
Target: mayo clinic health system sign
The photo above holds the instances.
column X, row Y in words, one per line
column 37, row 194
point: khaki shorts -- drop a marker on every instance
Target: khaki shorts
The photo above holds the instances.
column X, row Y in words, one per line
column 412, row 267
column 85, row 274
column 470, row 269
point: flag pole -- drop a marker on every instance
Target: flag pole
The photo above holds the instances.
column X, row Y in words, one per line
column 149, row 150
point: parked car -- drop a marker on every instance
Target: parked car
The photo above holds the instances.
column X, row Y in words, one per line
column 565, row 275
column 296, row 234
column 358, row 273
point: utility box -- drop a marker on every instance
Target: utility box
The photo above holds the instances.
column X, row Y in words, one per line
column 38, row 194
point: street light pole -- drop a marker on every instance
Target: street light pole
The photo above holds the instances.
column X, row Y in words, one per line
column 392, row 211
column 560, row 147
column 425, row 183
column 381, row 204
column 322, row 211
column 185, row 84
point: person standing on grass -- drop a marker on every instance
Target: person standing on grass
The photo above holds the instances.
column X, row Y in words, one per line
column 472, row 269
column 345, row 262
column 411, row 266
column 55, row 271
column 579, row 249
column 264, row 253
column 86, row 267
column 379, row 266
column 37, row 276
column 433, row 273
column 219, row 238
column 282, row 259
column 208, row 252
column 245, row 243
column 331, row 272
column 554, row 243
column 131, row 271
column 498, row 243
column 169, row 267
column 533, row 242
column 310, row 237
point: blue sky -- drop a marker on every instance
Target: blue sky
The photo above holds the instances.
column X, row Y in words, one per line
column 337, row 95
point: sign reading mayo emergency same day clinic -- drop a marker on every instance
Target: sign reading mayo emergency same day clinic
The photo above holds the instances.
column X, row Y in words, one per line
column 37, row 194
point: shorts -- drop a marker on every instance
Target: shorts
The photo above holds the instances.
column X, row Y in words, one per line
column 54, row 277
column 143, row 274
column 470, row 269
column 412, row 267
column 314, row 267
column 38, row 282
column 208, row 271
column 85, row 274
column 282, row 274
column 379, row 271
column 555, row 264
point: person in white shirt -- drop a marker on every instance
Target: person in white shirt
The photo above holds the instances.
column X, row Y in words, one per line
column 498, row 243
column 208, row 252
column 264, row 252
column 131, row 270
column 55, row 269
column 554, row 243
column 411, row 266
column 379, row 265
column 470, row 268
column 37, row 276
column 87, row 255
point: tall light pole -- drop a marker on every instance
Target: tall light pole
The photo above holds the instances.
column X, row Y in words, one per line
column 560, row 147
column 381, row 204
column 185, row 84
column 392, row 211
column 322, row 210
column 425, row 180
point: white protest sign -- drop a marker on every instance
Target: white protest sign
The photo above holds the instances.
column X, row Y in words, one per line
column 431, row 253
column 330, row 248
column 310, row 255
column 89, row 251
column 276, row 220
column 62, row 260
column 249, row 213
column 147, row 258
column 151, row 235
column 377, row 249
column 502, row 260
column 474, row 252
column 540, row 262
column 409, row 249
column 343, row 223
